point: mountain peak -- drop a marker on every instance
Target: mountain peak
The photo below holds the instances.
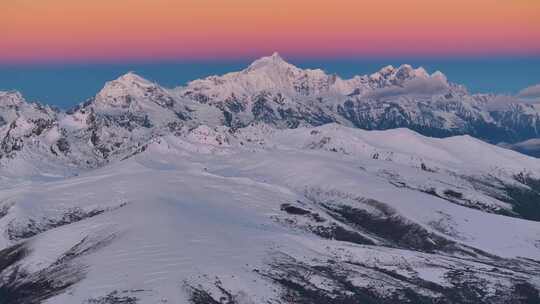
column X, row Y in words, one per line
column 274, row 60
column 129, row 84
column 11, row 98
column 276, row 55
column 402, row 73
column 132, row 78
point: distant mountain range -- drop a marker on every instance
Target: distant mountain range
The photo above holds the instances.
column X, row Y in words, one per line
column 131, row 110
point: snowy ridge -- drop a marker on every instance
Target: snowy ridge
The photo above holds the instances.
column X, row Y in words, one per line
column 274, row 74
column 265, row 74
column 276, row 92
column 130, row 111
column 12, row 98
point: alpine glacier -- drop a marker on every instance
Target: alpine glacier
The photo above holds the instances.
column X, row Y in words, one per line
column 271, row 185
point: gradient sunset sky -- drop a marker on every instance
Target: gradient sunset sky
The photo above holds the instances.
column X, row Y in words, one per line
column 128, row 30
column 63, row 51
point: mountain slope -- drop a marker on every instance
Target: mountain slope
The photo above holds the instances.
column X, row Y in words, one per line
column 257, row 215
column 529, row 147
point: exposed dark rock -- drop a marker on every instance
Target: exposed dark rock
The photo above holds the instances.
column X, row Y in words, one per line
column 19, row 287
column 34, row 227
column 199, row 295
column 466, row 286
column 452, row 193
column 85, row 246
column 525, row 293
column 10, row 143
column 228, row 118
column 63, row 145
column 295, row 279
column 525, row 202
column 114, row 297
column 332, row 231
column 339, row 233
column 234, row 105
column 294, row 210
column 511, row 125
column 40, row 125
column 524, row 198
column 392, row 228
column 262, row 111
column 4, row 209
column 385, row 225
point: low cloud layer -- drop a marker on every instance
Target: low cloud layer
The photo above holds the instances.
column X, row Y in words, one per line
column 501, row 102
column 530, row 92
column 434, row 84
column 530, row 95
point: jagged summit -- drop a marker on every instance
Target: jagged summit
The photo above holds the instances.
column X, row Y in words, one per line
column 126, row 87
column 274, row 58
column 276, row 55
column 403, row 72
column 273, row 73
column 129, row 80
column 132, row 77
column 274, row 61
column 277, row 93
column 11, row 98
column 269, row 74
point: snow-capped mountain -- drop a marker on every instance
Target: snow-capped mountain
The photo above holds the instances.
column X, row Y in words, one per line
column 131, row 110
column 274, row 91
column 268, row 186
column 20, row 120
column 29, row 134
column 125, row 114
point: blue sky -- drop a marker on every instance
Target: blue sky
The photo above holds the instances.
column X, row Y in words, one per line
column 66, row 85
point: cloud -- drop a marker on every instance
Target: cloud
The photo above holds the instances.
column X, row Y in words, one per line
column 530, row 92
column 434, row 84
column 501, row 102
column 530, row 95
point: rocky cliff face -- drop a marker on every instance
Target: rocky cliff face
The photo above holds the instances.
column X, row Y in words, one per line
column 22, row 122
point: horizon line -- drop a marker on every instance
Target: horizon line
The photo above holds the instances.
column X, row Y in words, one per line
column 249, row 58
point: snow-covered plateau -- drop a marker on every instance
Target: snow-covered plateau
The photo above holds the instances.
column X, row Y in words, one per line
column 270, row 185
